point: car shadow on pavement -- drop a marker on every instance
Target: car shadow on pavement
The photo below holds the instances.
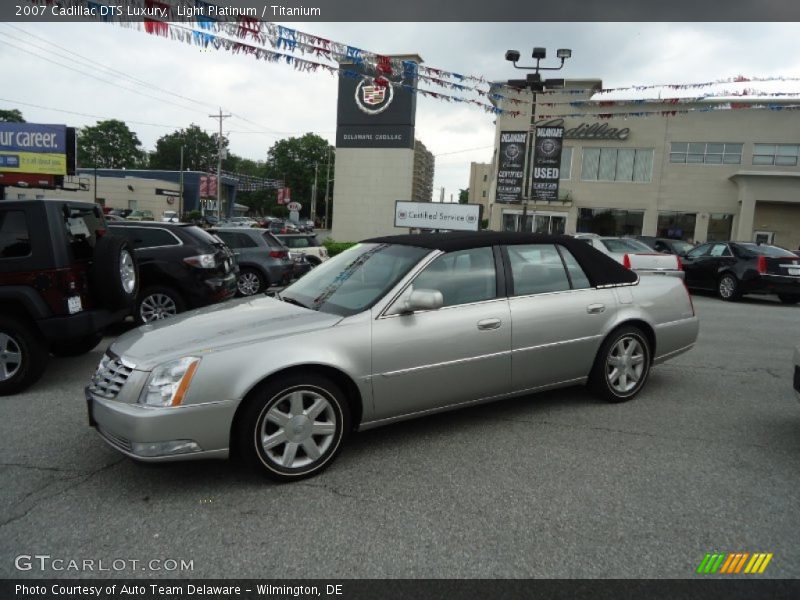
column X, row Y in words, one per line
column 755, row 299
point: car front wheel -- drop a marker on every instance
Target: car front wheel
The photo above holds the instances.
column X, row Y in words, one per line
column 621, row 366
column 250, row 282
column 293, row 427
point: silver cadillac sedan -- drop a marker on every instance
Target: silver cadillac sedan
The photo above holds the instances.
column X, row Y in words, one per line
column 393, row 328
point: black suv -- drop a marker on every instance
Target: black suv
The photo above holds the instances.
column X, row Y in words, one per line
column 63, row 279
column 181, row 267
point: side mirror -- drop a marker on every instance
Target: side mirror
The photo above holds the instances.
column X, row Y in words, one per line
column 424, row 300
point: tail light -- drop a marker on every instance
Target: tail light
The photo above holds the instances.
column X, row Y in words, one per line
column 279, row 253
column 680, row 262
column 100, row 232
column 626, row 261
column 762, row 264
column 201, row 261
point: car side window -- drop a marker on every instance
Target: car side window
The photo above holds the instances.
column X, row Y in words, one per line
column 463, row 277
column 537, row 269
column 227, row 237
column 660, row 246
column 15, row 239
column 702, row 250
column 244, row 241
column 576, row 274
column 720, row 250
column 145, row 237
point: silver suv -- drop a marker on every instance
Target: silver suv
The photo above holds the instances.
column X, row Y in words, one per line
column 263, row 260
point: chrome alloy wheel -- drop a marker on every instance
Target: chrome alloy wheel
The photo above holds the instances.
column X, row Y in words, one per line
column 726, row 286
column 625, row 364
column 248, row 283
column 127, row 271
column 297, row 429
column 10, row 357
column 157, row 306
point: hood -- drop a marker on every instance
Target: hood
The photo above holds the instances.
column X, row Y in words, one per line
column 217, row 327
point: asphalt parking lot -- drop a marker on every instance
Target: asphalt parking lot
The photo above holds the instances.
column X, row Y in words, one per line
column 556, row 485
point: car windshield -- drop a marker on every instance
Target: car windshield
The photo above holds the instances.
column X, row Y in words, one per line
column 764, row 250
column 622, row 245
column 355, row 279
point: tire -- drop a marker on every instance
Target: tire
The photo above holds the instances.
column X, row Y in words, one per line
column 250, row 282
column 114, row 273
column 156, row 303
column 788, row 298
column 283, row 400
column 605, row 380
column 23, row 355
column 728, row 288
column 315, row 262
column 78, row 346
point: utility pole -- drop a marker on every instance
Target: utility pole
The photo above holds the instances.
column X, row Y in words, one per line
column 220, row 116
column 327, row 198
column 180, row 197
column 314, row 194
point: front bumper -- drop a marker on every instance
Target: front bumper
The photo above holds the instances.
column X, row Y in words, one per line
column 155, row 434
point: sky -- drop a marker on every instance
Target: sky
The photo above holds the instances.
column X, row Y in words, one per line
column 50, row 65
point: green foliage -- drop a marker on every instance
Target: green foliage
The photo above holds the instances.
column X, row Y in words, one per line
column 109, row 145
column 463, row 196
column 278, row 210
column 11, row 116
column 199, row 150
column 484, row 223
column 191, row 216
column 335, row 248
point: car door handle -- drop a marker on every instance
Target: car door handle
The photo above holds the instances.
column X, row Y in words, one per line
column 594, row 309
column 487, row 324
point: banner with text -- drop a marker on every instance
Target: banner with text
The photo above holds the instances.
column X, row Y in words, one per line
column 30, row 148
column 511, row 166
column 546, row 164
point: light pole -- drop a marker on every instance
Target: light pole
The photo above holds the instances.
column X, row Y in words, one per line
column 327, row 187
column 535, row 84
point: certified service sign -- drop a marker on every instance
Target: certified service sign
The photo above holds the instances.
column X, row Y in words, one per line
column 437, row 215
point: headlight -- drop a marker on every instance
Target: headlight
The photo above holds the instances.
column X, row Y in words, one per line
column 168, row 383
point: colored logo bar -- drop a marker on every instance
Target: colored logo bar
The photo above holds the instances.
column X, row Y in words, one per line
column 734, row 563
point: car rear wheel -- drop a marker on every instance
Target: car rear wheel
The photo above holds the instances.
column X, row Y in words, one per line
column 77, row 347
column 23, row 355
column 788, row 299
column 250, row 282
column 622, row 365
column 115, row 275
column 158, row 303
column 293, row 427
column 728, row 288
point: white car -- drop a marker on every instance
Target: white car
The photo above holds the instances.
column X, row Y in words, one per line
column 305, row 243
column 170, row 216
column 635, row 255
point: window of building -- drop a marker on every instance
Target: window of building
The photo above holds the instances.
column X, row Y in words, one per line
column 485, row 176
column 462, row 277
column 709, row 153
column 15, row 239
column 779, row 155
column 606, row 221
column 617, row 164
column 676, row 225
column 483, row 193
column 566, row 163
column 719, row 227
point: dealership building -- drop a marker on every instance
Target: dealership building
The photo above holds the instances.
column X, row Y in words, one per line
column 698, row 170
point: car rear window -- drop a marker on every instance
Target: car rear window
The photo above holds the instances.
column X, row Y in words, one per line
column 82, row 224
column 619, row 245
column 200, row 235
column 773, row 251
column 15, row 238
column 272, row 241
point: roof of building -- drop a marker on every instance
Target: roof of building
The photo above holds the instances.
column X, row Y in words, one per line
column 599, row 268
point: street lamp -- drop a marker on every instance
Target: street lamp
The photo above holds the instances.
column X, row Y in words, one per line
column 535, row 84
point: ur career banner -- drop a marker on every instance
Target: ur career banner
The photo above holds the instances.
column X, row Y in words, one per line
column 30, row 148
column 546, row 165
column 511, row 166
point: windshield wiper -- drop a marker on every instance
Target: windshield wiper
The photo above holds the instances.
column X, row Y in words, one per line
column 293, row 301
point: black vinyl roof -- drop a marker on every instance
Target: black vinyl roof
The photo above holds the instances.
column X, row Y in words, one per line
column 599, row 268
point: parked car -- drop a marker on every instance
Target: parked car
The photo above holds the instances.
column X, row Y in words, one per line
column 239, row 222
column 63, row 279
column 263, row 260
column 119, row 212
column 109, row 217
column 140, row 215
column 181, row 267
column 733, row 269
column 277, row 226
column 300, row 264
column 635, row 255
column 170, row 216
column 666, row 245
column 393, row 328
column 307, row 244
column 306, row 225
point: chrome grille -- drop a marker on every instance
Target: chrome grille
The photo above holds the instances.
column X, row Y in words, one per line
column 110, row 376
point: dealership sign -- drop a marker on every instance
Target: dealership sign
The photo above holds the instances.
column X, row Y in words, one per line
column 511, row 166
column 437, row 215
column 35, row 149
column 294, row 206
column 546, row 163
column 588, row 131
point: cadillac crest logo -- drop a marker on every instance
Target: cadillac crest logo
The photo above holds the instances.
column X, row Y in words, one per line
column 373, row 99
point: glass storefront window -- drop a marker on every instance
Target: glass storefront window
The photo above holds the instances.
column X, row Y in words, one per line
column 676, row 225
column 719, row 227
column 606, row 221
column 617, row 164
column 544, row 223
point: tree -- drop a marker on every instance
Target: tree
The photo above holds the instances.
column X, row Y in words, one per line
column 463, row 196
column 109, row 145
column 11, row 116
column 293, row 160
column 199, row 150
